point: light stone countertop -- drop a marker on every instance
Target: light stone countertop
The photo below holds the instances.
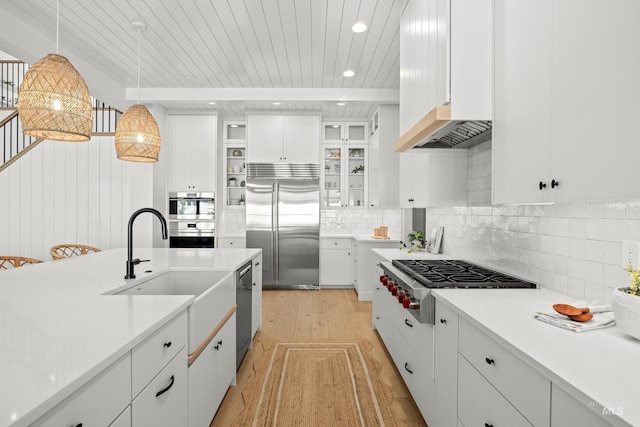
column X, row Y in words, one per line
column 598, row 368
column 60, row 327
column 359, row 238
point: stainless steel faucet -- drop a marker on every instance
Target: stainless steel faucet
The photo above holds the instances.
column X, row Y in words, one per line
column 131, row 262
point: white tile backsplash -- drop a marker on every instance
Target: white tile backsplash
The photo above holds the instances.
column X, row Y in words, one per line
column 360, row 221
column 571, row 248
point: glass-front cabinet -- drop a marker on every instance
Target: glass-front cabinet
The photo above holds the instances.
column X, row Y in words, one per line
column 344, row 132
column 235, row 177
column 344, row 177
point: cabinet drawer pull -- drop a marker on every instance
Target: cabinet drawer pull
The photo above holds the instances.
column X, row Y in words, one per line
column 164, row 390
column 443, row 321
column 489, row 361
column 542, row 185
column 406, row 322
column 406, row 366
column 554, row 183
column 78, row 425
column 167, row 344
column 257, row 264
column 488, row 425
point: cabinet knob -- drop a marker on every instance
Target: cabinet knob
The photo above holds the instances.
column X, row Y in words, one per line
column 489, row 361
column 443, row 321
column 411, row 200
column 542, row 185
column 554, row 183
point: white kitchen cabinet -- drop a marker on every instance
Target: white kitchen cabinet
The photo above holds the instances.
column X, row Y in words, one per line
column 192, row 152
column 234, row 167
column 446, row 365
column 344, row 132
column 211, row 374
column 345, row 175
column 235, row 132
column 522, row 108
column 256, row 296
column 433, row 178
column 111, row 388
column 479, row 403
column 384, row 163
column 575, row 102
column 164, row 401
column 506, row 372
column 335, row 262
column 445, row 56
column 283, row 138
column 567, row 411
column 232, row 242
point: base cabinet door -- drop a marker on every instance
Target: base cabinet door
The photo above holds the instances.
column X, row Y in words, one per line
column 210, row 375
column 164, row 401
column 567, row 411
column 446, row 365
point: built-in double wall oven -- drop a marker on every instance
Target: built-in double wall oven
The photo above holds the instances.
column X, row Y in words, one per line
column 191, row 220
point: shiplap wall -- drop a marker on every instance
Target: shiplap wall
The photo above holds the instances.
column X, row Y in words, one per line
column 63, row 192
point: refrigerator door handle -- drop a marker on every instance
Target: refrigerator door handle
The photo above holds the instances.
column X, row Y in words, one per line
column 276, row 231
column 273, row 231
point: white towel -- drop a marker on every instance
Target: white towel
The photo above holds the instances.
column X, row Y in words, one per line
column 599, row 320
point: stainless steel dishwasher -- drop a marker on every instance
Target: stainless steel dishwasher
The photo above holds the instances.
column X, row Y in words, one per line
column 244, row 287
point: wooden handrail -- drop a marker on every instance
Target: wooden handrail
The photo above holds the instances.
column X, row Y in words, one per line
column 8, row 118
column 20, row 154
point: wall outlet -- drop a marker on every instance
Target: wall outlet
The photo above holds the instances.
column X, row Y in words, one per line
column 630, row 251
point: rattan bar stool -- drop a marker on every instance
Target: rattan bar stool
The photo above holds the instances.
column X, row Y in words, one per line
column 68, row 250
column 7, row 262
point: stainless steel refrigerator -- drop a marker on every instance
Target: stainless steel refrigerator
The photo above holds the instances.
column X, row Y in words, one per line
column 283, row 219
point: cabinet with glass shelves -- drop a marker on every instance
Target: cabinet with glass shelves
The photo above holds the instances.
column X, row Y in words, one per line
column 235, row 176
column 344, row 132
column 344, row 178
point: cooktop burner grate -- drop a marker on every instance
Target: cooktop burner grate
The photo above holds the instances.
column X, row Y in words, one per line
column 457, row 274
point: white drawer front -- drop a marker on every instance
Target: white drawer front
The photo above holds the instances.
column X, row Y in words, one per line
column 228, row 242
column 418, row 335
column 335, row 243
column 416, row 373
column 163, row 403
column 479, row 404
column 525, row 388
column 152, row 354
column 98, row 402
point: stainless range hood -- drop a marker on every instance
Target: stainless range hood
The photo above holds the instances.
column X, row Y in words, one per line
column 437, row 130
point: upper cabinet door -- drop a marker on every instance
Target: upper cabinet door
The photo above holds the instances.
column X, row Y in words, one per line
column 522, row 94
column 192, row 148
column 265, row 133
column 301, row 139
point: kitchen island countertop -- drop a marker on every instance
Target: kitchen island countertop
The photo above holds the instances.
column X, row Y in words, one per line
column 61, row 327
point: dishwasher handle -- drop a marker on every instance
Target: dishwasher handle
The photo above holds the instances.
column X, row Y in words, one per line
column 244, row 270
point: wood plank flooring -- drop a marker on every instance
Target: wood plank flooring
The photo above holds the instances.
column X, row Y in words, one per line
column 325, row 315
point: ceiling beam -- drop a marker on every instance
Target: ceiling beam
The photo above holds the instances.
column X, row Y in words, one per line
column 167, row 95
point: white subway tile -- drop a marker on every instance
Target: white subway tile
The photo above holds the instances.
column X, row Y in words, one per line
column 593, row 293
column 595, row 209
column 575, row 288
column 593, row 272
column 577, row 228
column 576, row 268
column 594, row 229
column 576, row 248
column 594, row 251
column 561, row 245
column 615, row 209
column 613, row 230
column 612, row 253
column 577, row 210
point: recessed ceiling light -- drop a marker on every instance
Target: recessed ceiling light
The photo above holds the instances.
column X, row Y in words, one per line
column 348, row 73
column 359, row 27
column 276, row 103
column 335, row 126
column 342, row 103
column 212, row 103
column 234, row 126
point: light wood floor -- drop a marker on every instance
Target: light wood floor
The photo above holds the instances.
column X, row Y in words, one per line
column 325, row 315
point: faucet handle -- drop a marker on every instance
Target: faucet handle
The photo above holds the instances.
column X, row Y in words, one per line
column 137, row 261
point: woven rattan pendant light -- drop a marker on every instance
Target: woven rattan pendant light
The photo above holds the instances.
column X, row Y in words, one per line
column 137, row 134
column 54, row 102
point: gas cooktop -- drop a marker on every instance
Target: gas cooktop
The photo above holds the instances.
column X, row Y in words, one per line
column 457, row 274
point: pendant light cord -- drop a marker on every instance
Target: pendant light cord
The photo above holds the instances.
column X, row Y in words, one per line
column 138, row 64
column 57, row 23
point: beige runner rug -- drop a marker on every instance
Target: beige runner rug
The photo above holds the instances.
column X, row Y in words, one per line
column 314, row 384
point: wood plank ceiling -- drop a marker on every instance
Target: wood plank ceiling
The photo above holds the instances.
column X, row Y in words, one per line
column 232, row 44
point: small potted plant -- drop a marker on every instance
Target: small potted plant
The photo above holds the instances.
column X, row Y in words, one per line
column 416, row 241
column 626, row 305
